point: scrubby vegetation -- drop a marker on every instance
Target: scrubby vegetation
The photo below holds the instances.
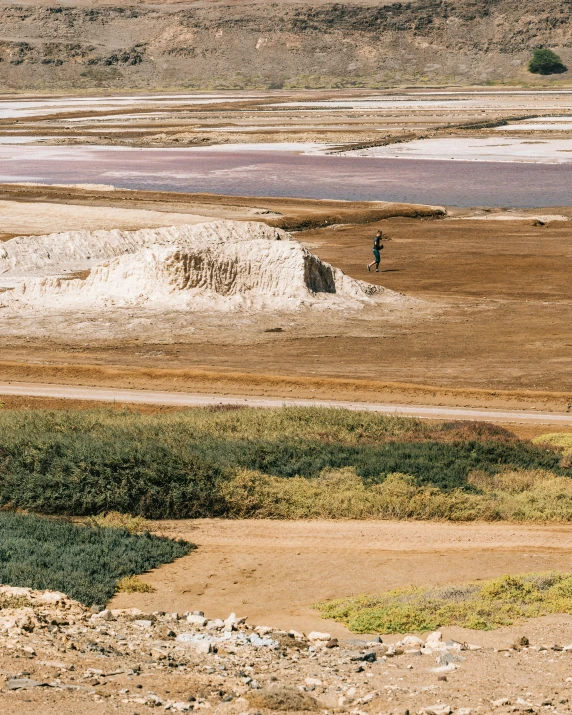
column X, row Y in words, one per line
column 283, row 463
column 483, row 605
column 545, row 61
column 117, row 520
column 133, row 584
column 85, row 562
column 513, row 496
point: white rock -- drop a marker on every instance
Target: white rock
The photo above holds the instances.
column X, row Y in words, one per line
column 317, row 636
column 105, row 615
column 20, row 619
column 445, row 668
column 500, row 702
column 51, row 597
column 313, row 681
column 434, row 639
column 181, row 707
column 196, row 620
column 464, row 711
column 412, row 641
column 439, row 709
column 203, row 647
column 263, row 630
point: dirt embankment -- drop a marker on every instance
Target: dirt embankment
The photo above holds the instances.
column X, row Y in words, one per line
column 236, row 46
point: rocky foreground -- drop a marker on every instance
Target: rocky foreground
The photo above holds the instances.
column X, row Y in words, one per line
column 58, row 656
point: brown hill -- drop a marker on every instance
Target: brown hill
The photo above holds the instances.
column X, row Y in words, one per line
column 257, row 44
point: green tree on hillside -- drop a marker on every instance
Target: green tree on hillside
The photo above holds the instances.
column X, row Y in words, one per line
column 545, row 61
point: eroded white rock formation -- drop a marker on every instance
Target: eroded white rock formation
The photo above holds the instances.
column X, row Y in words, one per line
column 222, row 265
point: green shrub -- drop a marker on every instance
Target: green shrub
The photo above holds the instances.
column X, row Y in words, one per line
column 544, row 61
column 84, row 562
column 187, row 464
column 483, row 605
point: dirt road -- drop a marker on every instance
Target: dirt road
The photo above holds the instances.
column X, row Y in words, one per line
column 274, row 571
column 181, row 399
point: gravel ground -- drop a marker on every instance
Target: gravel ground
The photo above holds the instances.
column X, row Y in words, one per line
column 58, row 656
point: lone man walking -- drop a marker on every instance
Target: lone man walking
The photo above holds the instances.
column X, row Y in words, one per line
column 377, row 247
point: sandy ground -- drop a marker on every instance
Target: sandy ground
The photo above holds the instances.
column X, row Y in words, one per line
column 275, row 571
column 497, row 295
column 16, row 219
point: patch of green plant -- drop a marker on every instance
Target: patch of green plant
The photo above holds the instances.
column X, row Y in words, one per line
column 545, row 61
column 85, row 562
column 482, row 605
column 88, row 463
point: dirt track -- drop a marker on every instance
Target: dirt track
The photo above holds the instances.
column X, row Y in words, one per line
column 275, row 571
column 178, row 399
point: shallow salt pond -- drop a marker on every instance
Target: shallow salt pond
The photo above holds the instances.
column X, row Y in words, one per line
column 303, row 171
column 489, row 149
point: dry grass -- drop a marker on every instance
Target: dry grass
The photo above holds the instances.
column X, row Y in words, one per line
column 282, row 698
column 484, row 605
column 555, row 439
column 526, row 495
column 116, row 520
column 133, row 584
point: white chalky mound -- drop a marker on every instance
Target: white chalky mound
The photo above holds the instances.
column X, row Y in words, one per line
column 222, row 265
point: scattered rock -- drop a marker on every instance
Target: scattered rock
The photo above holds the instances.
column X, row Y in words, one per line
column 313, row 681
column 412, row 641
column 501, row 702
column 434, row 640
column 446, row 658
column 439, row 709
column 196, row 620
column 22, row 683
column 370, row 657
column 317, row 636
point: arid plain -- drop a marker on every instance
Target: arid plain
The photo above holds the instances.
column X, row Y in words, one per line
column 476, row 313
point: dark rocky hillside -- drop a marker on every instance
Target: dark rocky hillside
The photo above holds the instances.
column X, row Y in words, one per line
column 274, row 45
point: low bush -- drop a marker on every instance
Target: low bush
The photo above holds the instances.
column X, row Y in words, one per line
column 85, row 562
column 555, row 439
column 193, row 463
column 533, row 496
column 133, row 584
column 132, row 524
column 545, row 61
column 484, row 605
